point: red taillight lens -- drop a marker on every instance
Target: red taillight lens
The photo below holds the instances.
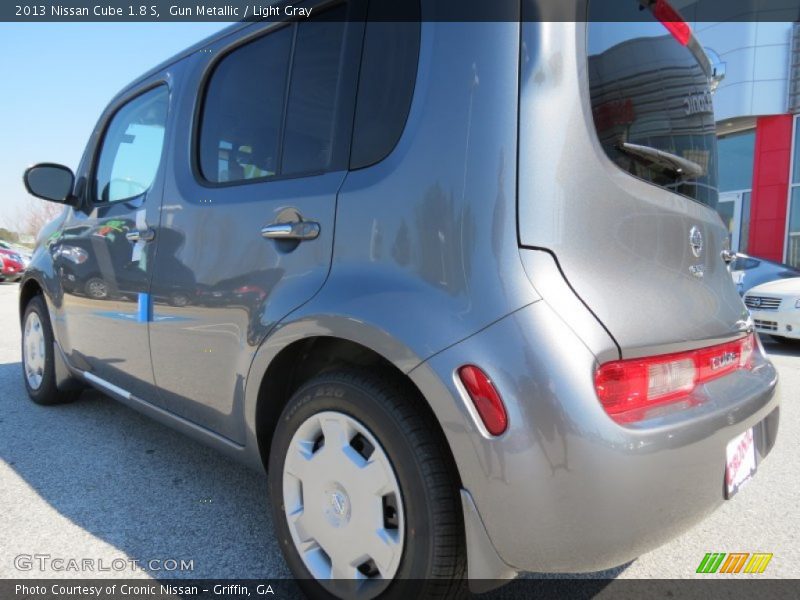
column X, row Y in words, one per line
column 627, row 388
column 673, row 21
column 485, row 398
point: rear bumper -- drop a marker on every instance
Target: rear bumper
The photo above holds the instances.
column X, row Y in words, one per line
column 567, row 489
column 784, row 323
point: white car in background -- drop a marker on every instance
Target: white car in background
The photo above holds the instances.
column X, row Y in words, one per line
column 775, row 308
column 750, row 271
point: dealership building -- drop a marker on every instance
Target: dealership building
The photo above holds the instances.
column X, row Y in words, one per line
column 755, row 108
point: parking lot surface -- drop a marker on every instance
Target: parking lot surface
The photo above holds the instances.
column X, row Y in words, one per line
column 96, row 480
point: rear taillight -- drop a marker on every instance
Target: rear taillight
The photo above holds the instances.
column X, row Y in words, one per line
column 627, row 389
column 673, row 21
column 485, row 398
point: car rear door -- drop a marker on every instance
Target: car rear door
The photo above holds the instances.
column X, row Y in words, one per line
column 618, row 176
column 247, row 225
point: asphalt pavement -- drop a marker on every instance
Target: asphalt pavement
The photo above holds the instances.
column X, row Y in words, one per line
column 96, row 480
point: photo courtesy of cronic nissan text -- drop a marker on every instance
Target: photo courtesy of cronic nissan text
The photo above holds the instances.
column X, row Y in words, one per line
column 400, row 299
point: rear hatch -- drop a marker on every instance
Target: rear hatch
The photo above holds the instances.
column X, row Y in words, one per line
column 618, row 175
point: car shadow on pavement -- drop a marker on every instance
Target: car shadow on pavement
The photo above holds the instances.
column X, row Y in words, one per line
column 774, row 348
column 148, row 491
column 133, row 483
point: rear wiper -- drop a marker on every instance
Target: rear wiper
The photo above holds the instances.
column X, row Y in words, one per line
column 680, row 167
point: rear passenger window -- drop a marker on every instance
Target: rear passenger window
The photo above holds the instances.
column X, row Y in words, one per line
column 386, row 83
column 260, row 120
column 243, row 111
column 310, row 118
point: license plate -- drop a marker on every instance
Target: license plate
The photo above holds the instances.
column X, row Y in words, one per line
column 740, row 462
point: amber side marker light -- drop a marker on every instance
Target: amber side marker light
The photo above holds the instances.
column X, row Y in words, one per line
column 485, row 398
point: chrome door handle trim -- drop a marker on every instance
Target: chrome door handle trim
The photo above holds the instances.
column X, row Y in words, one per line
column 302, row 230
column 140, row 236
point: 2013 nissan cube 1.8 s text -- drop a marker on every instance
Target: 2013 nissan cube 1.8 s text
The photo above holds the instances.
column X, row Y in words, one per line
column 458, row 287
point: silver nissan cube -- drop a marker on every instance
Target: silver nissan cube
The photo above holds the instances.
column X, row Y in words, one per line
column 459, row 288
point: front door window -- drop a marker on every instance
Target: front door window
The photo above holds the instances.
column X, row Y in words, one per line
column 132, row 148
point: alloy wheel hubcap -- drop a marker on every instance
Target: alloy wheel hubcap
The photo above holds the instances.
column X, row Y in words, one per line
column 97, row 289
column 34, row 350
column 342, row 501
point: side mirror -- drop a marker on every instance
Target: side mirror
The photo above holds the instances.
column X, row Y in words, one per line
column 50, row 182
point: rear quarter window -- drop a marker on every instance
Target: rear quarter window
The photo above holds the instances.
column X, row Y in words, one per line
column 385, row 84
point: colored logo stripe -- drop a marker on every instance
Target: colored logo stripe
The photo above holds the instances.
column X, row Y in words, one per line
column 711, row 562
column 735, row 562
column 758, row 562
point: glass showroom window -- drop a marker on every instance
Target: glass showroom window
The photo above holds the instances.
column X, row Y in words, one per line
column 736, row 151
column 793, row 226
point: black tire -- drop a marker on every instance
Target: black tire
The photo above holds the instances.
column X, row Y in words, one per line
column 433, row 560
column 47, row 393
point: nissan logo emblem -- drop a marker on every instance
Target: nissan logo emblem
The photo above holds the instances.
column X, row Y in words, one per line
column 696, row 242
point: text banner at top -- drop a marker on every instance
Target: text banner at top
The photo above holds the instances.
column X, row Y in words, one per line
column 66, row 11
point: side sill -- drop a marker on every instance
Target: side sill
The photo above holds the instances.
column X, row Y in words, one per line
column 159, row 413
column 180, row 424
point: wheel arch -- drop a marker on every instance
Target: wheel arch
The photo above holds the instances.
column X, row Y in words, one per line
column 301, row 350
column 27, row 290
column 64, row 377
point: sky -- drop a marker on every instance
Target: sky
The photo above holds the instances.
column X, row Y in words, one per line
column 56, row 80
